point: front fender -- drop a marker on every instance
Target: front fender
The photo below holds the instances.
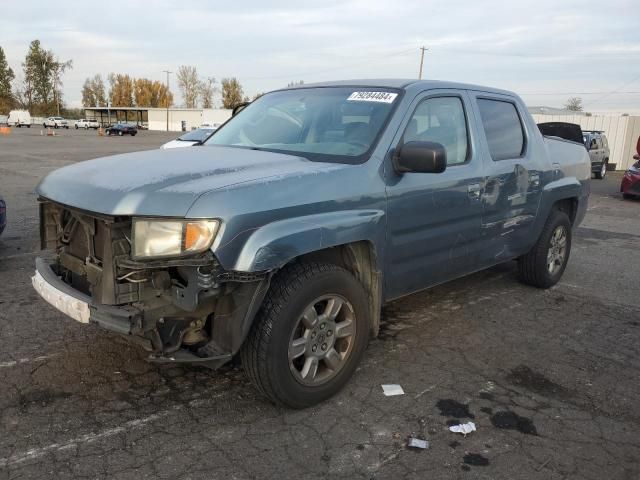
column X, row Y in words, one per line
column 273, row 245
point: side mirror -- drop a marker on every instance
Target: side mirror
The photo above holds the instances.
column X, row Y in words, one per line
column 421, row 157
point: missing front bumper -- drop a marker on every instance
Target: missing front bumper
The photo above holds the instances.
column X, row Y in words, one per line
column 79, row 306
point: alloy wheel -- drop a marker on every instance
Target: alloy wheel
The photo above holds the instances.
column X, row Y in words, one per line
column 322, row 340
column 557, row 250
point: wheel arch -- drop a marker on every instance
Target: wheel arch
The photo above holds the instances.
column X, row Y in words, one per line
column 361, row 260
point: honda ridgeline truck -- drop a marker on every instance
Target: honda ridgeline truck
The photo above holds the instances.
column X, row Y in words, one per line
column 280, row 238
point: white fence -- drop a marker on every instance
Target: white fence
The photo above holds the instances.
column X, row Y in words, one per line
column 622, row 133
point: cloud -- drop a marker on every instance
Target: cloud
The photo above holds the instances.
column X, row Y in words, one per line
column 542, row 46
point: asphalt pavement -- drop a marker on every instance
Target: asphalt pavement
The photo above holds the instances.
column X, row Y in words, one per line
column 551, row 378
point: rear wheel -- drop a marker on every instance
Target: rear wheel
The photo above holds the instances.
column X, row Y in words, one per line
column 120, row 133
column 309, row 335
column 544, row 265
column 603, row 171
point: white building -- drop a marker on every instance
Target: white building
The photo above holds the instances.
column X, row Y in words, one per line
column 622, row 132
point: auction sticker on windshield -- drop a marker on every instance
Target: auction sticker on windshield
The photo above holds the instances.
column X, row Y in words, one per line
column 383, row 97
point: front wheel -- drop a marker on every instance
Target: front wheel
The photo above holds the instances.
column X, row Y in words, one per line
column 309, row 336
column 76, row 127
column 120, row 133
column 544, row 265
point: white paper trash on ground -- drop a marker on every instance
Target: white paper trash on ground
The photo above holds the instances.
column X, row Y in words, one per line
column 417, row 443
column 463, row 428
column 392, row 389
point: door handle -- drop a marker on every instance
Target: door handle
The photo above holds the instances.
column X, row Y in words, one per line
column 474, row 191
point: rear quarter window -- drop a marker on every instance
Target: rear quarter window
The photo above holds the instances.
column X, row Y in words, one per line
column 503, row 128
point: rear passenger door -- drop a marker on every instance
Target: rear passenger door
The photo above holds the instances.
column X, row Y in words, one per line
column 433, row 219
column 512, row 180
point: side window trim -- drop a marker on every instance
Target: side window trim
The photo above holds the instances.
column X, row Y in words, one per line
column 525, row 133
column 464, row 106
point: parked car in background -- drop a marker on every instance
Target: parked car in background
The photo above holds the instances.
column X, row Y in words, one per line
column 55, row 122
column 211, row 125
column 122, row 129
column 189, row 139
column 283, row 235
column 598, row 147
column 630, row 185
column 19, row 118
column 87, row 124
column 3, row 215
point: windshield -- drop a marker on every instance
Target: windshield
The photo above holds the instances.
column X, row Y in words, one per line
column 333, row 124
column 198, row 135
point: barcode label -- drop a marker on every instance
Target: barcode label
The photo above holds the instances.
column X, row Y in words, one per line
column 383, row 97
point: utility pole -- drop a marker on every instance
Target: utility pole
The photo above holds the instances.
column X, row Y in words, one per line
column 167, row 96
column 422, row 49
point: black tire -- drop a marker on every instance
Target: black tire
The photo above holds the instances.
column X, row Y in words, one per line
column 133, row 134
column 265, row 353
column 603, row 171
column 533, row 268
column 120, row 133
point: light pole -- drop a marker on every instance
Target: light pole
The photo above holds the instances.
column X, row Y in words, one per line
column 167, row 97
column 422, row 49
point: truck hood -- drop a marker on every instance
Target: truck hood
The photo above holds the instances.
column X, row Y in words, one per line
column 164, row 182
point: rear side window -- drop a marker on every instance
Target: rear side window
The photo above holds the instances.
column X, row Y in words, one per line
column 503, row 128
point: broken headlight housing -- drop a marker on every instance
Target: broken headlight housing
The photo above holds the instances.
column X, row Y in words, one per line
column 171, row 238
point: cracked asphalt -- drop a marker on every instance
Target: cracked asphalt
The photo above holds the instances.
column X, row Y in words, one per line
column 550, row 378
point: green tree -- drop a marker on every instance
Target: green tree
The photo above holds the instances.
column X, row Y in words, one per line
column 43, row 79
column 189, row 85
column 232, row 93
column 6, row 77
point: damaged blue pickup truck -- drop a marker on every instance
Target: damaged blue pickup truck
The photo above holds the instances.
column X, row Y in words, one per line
column 281, row 237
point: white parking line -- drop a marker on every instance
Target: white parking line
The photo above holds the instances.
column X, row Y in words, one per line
column 88, row 438
column 36, row 453
column 20, row 361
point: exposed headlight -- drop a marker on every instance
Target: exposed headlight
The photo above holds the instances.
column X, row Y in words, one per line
column 172, row 238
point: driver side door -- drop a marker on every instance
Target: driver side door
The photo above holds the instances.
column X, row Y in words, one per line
column 434, row 219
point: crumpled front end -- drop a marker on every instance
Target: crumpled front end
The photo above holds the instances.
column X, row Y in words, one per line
column 185, row 309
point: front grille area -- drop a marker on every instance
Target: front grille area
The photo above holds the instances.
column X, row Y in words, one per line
column 88, row 247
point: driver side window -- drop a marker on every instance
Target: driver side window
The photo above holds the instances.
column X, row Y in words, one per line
column 441, row 120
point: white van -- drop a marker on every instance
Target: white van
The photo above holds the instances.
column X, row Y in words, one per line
column 19, row 118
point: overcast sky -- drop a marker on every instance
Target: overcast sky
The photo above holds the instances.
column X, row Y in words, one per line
column 545, row 50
